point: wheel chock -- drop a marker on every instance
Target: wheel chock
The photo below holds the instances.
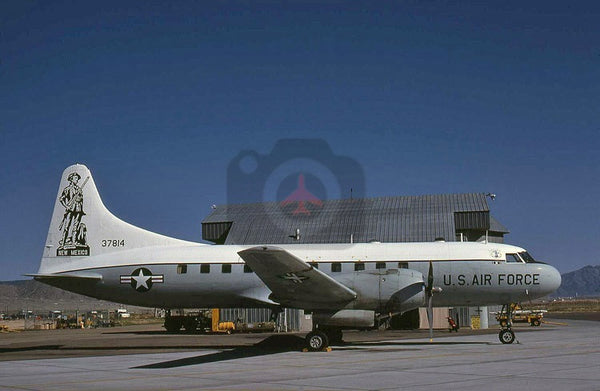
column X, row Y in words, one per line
column 327, row 349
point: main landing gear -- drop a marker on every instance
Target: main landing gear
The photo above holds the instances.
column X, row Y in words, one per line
column 506, row 335
column 320, row 339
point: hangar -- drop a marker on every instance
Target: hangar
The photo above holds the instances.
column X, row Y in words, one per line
column 449, row 217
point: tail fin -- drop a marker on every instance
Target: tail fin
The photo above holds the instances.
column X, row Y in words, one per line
column 81, row 226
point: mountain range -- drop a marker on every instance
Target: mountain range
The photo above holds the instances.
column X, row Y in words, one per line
column 584, row 282
column 16, row 296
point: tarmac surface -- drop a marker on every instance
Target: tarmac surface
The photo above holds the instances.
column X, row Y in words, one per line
column 561, row 355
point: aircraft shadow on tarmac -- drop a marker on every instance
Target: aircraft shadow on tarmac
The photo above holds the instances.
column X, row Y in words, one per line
column 271, row 345
column 279, row 344
column 30, row 348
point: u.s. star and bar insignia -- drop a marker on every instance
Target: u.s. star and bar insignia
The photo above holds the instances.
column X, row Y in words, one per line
column 142, row 279
column 293, row 277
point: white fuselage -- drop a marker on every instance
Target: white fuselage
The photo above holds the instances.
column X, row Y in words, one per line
column 467, row 273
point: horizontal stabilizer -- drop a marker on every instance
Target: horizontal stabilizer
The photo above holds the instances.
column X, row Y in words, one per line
column 295, row 283
column 81, row 276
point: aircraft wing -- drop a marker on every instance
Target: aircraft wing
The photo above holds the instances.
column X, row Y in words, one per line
column 294, row 282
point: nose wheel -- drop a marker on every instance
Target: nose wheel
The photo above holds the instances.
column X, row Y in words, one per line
column 506, row 336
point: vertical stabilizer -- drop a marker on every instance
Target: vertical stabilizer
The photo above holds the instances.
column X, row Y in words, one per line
column 82, row 227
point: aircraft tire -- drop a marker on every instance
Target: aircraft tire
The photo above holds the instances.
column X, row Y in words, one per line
column 316, row 341
column 506, row 336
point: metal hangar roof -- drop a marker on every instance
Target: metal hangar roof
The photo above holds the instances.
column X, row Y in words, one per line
column 386, row 219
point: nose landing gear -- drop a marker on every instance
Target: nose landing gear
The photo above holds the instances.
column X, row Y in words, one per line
column 506, row 335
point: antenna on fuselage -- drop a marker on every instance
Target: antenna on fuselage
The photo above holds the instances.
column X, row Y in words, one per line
column 492, row 197
column 295, row 236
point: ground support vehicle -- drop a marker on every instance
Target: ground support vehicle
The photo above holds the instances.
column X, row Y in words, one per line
column 519, row 315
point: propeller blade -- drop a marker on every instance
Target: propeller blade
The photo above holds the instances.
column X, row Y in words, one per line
column 430, row 317
column 430, row 277
column 429, row 291
column 429, row 284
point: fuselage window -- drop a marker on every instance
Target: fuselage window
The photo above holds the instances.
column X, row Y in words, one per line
column 247, row 269
column 336, row 267
column 205, row 268
column 359, row 266
column 182, row 268
column 402, row 265
column 380, row 265
column 226, row 268
column 513, row 258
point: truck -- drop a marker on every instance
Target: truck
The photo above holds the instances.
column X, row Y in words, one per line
column 519, row 315
column 122, row 313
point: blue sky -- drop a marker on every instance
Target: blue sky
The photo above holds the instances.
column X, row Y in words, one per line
column 157, row 98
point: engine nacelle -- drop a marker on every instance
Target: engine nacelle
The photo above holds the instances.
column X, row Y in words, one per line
column 352, row 319
column 395, row 290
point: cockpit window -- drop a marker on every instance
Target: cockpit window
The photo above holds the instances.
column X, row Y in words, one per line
column 527, row 257
column 513, row 258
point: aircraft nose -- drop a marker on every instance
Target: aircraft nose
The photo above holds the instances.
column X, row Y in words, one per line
column 553, row 279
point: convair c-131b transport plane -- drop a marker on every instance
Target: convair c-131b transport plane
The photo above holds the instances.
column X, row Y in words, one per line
column 92, row 252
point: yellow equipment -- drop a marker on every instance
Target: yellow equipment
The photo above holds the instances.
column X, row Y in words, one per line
column 220, row 327
column 519, row 315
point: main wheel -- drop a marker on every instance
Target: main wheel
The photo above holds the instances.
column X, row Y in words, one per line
column 316, row 340
column 506, row 336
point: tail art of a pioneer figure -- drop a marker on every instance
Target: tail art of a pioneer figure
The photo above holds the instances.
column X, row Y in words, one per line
column 73, row 240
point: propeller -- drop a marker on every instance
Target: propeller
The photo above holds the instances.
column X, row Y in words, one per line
column 429, row 290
